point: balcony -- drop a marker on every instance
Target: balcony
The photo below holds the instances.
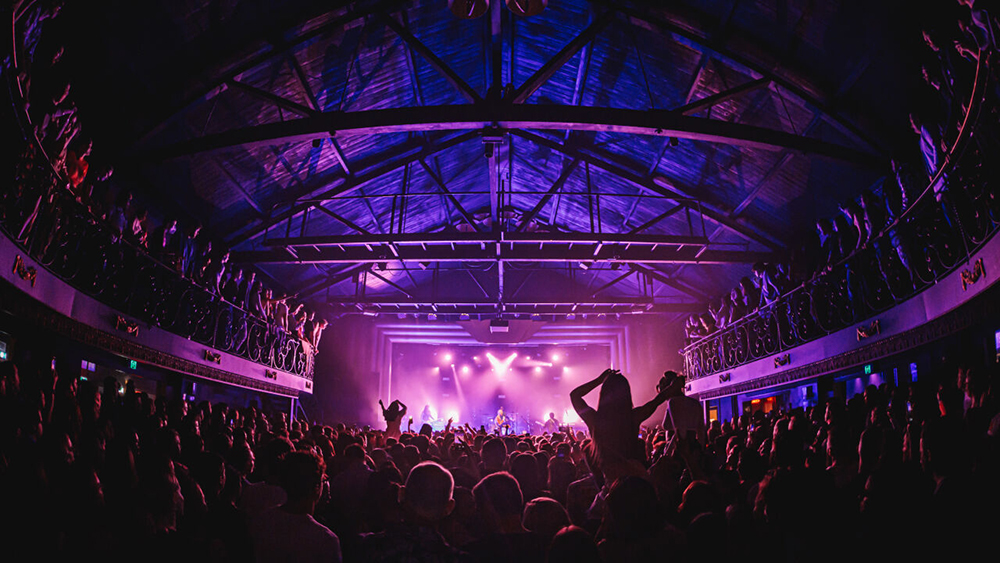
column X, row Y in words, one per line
column 930, row 259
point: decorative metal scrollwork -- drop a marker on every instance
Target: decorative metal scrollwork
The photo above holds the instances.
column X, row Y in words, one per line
column 925, row 242
column 88, row 255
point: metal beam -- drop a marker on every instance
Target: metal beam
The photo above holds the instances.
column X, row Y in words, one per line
column 662, row 278
column 496, row 52
column 386, row 163
column 275, row 42
column 330, row 281
column 436, row 63
column 493, row 162
column 747, row 54
column 300, row 75
column 390, row 283
column 656, row 123
column 282, row 102
column 343, row 220
column 240, row 188
column 542, row 75
column 783, row 159
column 504, row 252
column 451, row 197
column 314, row 103
column 657, row 219
column 556, row 186
column 656, row 184
column 620, row 278
column 721, row 97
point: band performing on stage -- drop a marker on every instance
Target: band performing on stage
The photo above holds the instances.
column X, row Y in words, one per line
column 503, row 423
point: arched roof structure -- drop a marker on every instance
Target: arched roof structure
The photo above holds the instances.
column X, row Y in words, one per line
column 605, row 157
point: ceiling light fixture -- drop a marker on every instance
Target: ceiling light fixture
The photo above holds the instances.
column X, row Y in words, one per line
column 526, row 8
column 468, row 9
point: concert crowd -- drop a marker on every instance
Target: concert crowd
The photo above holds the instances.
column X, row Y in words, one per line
column 94, row 471
column 89, row 470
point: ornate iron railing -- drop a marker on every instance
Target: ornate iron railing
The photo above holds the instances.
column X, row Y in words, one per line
column 89, row 255
column 45, row 219
column 874, row 279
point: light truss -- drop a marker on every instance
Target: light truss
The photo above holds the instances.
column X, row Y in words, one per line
column 459, row 306
column 498, row 247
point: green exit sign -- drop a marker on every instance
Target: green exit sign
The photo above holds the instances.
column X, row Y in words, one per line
column 868, row 369
column 132, row 364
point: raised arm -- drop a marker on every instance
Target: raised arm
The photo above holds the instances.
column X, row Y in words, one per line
column 645, row 411
column 576, row 396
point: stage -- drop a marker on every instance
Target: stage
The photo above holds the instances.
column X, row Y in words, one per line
column 470, row 384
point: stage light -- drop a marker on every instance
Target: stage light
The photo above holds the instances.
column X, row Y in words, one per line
column 465, row 369
column 476, row 358
column 538, row 369
column 565, row 369
column 570, row 417
column 555, row 357
column 501, row 367
column 571, row 317
column 448, row 357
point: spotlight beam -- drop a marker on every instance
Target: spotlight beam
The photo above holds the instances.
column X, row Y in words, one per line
column 501, row 366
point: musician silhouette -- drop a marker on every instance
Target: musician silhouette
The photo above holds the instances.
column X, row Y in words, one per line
column 551, row 425
column 501, row 421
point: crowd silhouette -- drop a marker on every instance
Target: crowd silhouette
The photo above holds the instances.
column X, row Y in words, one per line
column 891, row 473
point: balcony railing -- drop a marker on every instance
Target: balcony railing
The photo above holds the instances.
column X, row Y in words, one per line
column 83, row 250
column 936, row 234
column 49, row 223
